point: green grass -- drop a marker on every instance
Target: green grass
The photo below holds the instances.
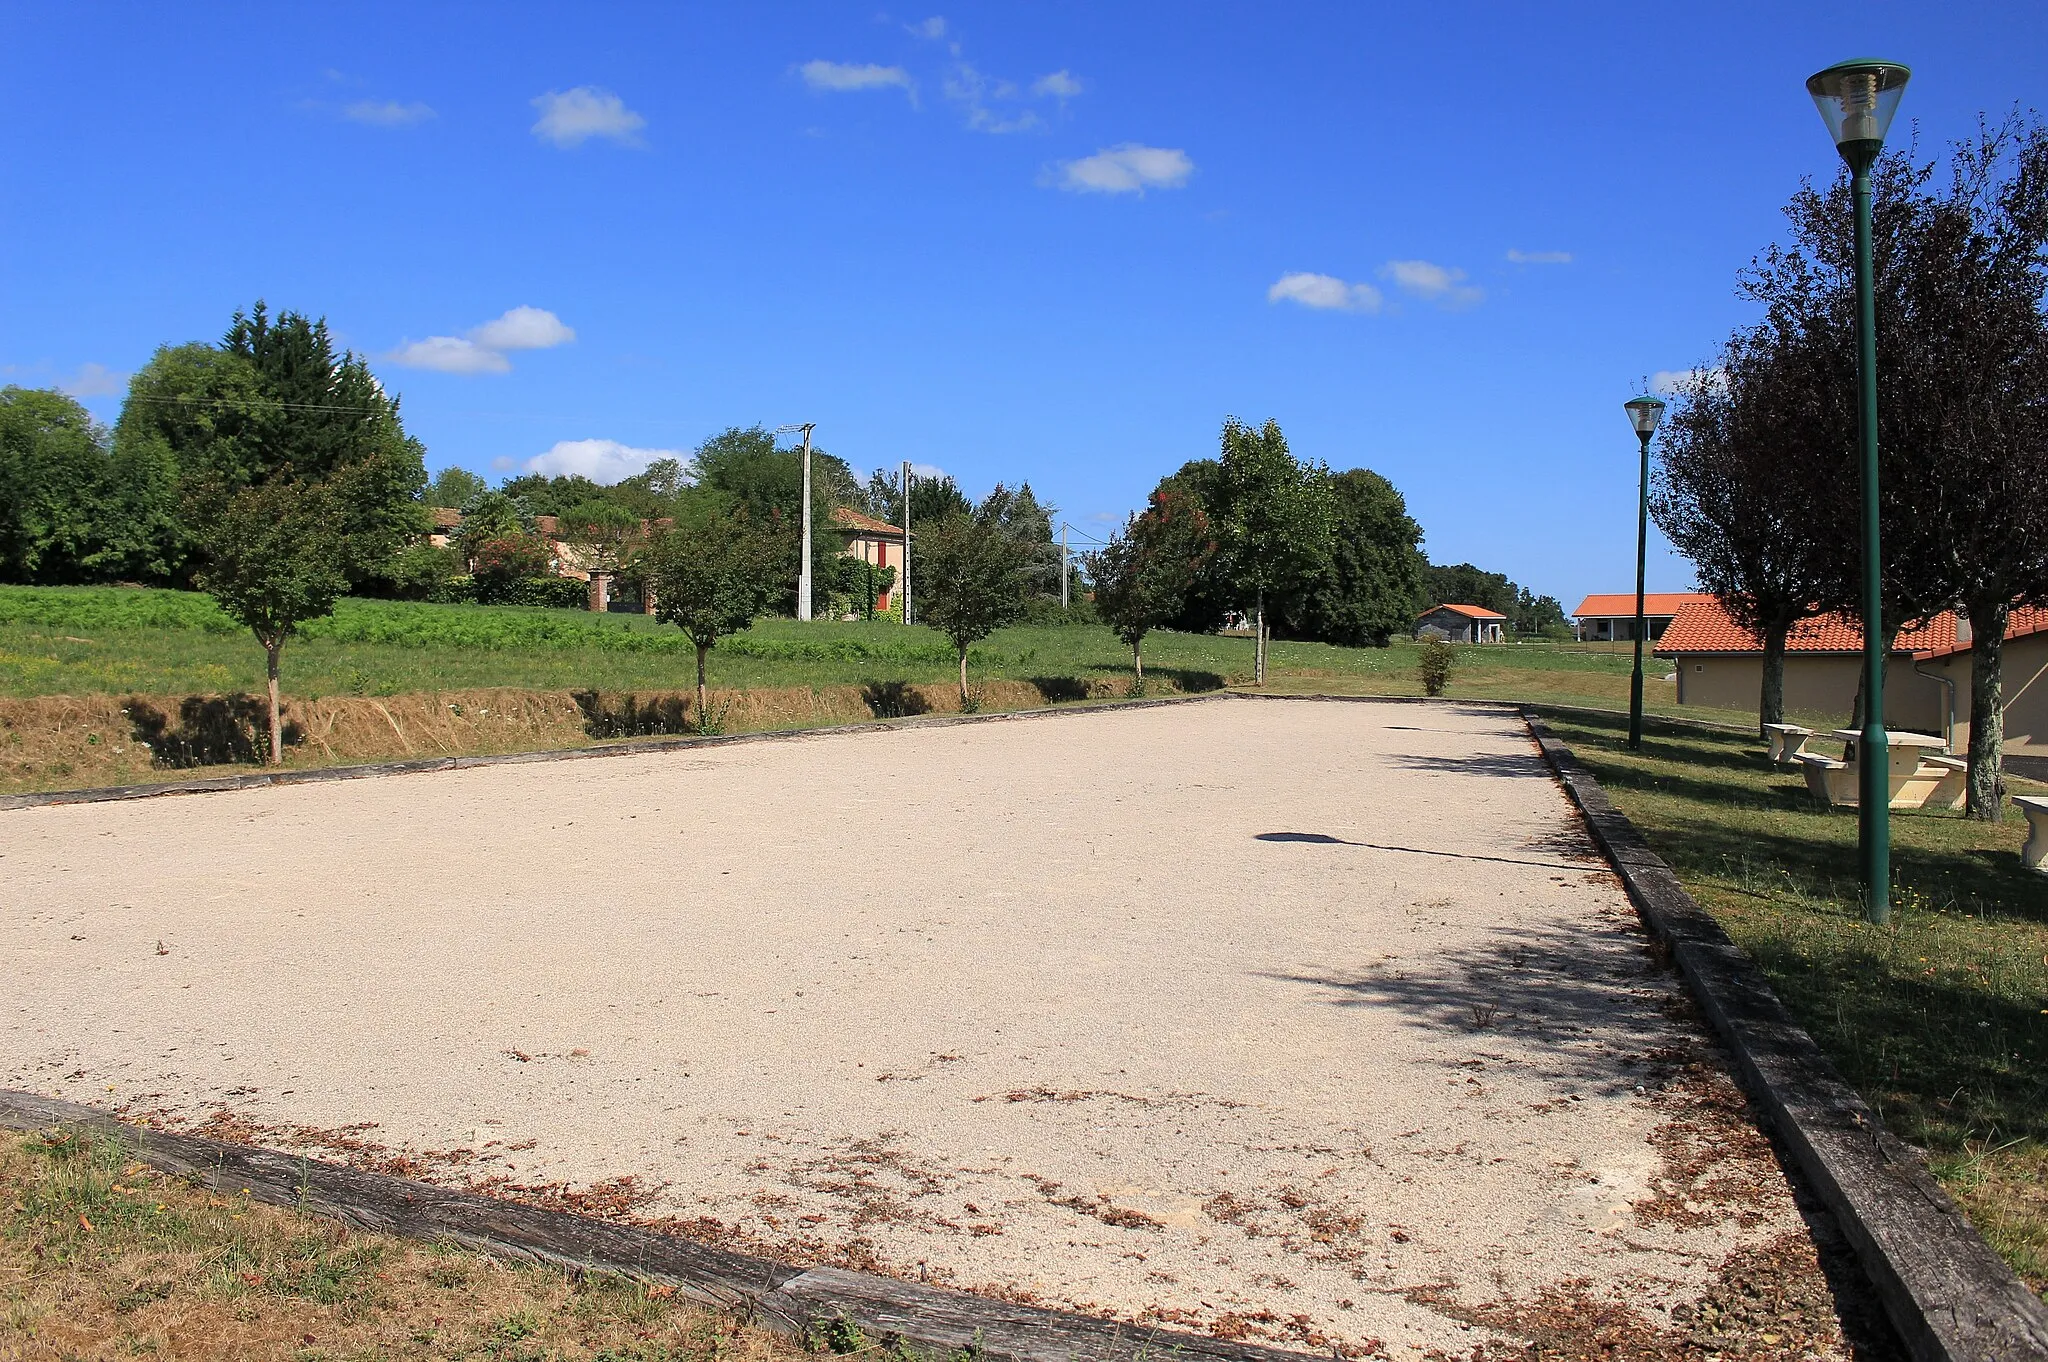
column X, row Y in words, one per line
column 1940, row 1019
column 119, row 641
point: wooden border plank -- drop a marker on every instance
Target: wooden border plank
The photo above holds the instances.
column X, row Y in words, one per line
column 1949, row 1294
column 790, row 1300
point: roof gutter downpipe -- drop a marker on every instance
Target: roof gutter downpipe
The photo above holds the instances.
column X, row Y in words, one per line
column 1948, row 731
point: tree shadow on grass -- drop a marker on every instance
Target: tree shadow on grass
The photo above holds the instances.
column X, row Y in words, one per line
column 211, row 730
column 1593, row 1011
column 627, row 716
column 893, row 700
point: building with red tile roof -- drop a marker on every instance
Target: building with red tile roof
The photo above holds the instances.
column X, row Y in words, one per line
column 1462, row 624
column 874, row 541
column 1607, row 617
column 1927, row 678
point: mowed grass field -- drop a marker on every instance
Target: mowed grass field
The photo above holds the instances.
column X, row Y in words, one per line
column 117, row 641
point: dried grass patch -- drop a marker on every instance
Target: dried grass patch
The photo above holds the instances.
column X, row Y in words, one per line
column 101, row 1257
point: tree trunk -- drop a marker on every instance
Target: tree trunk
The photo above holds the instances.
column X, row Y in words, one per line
column 1987, row 711
column 703, row 696
column 1259, row 641
column 272, row 651
column 963, row 681
column 1138, row 664
column 1771, row 705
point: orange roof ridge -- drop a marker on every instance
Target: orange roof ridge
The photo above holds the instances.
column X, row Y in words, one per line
column 1610, row 604
column 855, row 520
column 1477, row 612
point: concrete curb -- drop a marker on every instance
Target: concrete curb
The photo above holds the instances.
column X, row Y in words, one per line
column 1950, row 1296
column 631, row 747
column 777, row 1296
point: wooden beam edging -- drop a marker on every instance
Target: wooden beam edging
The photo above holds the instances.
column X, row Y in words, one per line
column 788, row 1300
column 257, row 780
column 1949, row 1294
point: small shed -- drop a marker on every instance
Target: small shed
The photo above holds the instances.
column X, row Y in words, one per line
column 1462, row 624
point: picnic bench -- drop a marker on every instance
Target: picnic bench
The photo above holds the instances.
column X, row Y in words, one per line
column 2034, row 855
column 1788, row 742
column 1917, row 775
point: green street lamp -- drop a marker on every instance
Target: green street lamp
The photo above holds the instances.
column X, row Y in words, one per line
column 1643, row 413
column 1857, row 100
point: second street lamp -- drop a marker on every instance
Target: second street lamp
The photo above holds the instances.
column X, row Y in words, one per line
column 1643, row 413
column 1857, row 100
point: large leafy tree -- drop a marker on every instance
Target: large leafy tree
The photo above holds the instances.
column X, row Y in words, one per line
column 1465, row 584
column 454, row 486
column 273, row 555
column 1142, row 576
column 1275, row 520
column 72, row 508
column 1962, row 433
column 973, row 577
column 712, row 577
column 748, row 469
column 1733, row 491
column 275, row 401
column 1374, row 571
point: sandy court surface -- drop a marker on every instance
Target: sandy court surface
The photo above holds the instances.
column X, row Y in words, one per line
column 1315, row 1022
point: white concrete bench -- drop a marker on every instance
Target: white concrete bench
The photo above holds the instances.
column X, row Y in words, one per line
column 1832, row 782
column 1788, row 742
column 1951, row 781
column 2034, row 855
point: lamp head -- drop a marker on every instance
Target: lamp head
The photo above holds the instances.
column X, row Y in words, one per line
column 1644, row 413
column 1856, row 100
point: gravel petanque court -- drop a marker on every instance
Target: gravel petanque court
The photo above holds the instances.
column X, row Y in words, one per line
column 1318, row 1023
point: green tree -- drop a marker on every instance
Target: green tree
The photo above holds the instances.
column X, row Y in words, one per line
column 455, row 487
column 748, row 469
column 1367, row 593
column 1275, row 520
column 714, row 577
column 72, row 509
column 1143, row 575
column 973, row 577
column 603, row 530
column 274, row 558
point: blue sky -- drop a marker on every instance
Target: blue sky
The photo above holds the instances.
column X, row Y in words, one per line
column 1054, row 242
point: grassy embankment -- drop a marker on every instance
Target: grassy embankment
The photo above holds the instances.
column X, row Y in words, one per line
column 1940, row 1019
column 104, row 1258
column 88, row 676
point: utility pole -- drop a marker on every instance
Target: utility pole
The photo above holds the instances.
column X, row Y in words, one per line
column 803, row 573
column 905, row 485
column 1065, row 569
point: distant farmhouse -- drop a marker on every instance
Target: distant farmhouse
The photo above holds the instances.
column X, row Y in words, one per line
column 1462, row 624
column 1611, row 617
column 1926, row 682
column 871, row 541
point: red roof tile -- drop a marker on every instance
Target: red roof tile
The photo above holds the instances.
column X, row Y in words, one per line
column 849, row 519
column 1611, row 604
column 1704, row 626
column 1469, row 611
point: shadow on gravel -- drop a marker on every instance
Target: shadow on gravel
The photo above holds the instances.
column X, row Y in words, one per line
column 1598, row 1017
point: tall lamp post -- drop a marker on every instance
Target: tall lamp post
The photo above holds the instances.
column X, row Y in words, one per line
column 1643, row 413
column 1857, row 100
column 803, row 573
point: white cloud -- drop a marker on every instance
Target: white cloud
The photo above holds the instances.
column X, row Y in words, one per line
column 972, row 90
column 1671, row 382
column 843, row 77
column 94, row 380
column 523, row 328
column 482, row 350
column 386, row 113
column 1540, row 257
column 1127, row 168
column 933, row 28
column 569, row 118
column 602, row 461
column 1324, row 292
column 1431, row 283
column 1059, row 85
column 449, row 355
column 928, row 470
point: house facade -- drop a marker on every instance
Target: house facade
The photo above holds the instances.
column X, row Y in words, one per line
column 1610, row 617
column 872, row 541
column 1927, row 675
column 1462, row 624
